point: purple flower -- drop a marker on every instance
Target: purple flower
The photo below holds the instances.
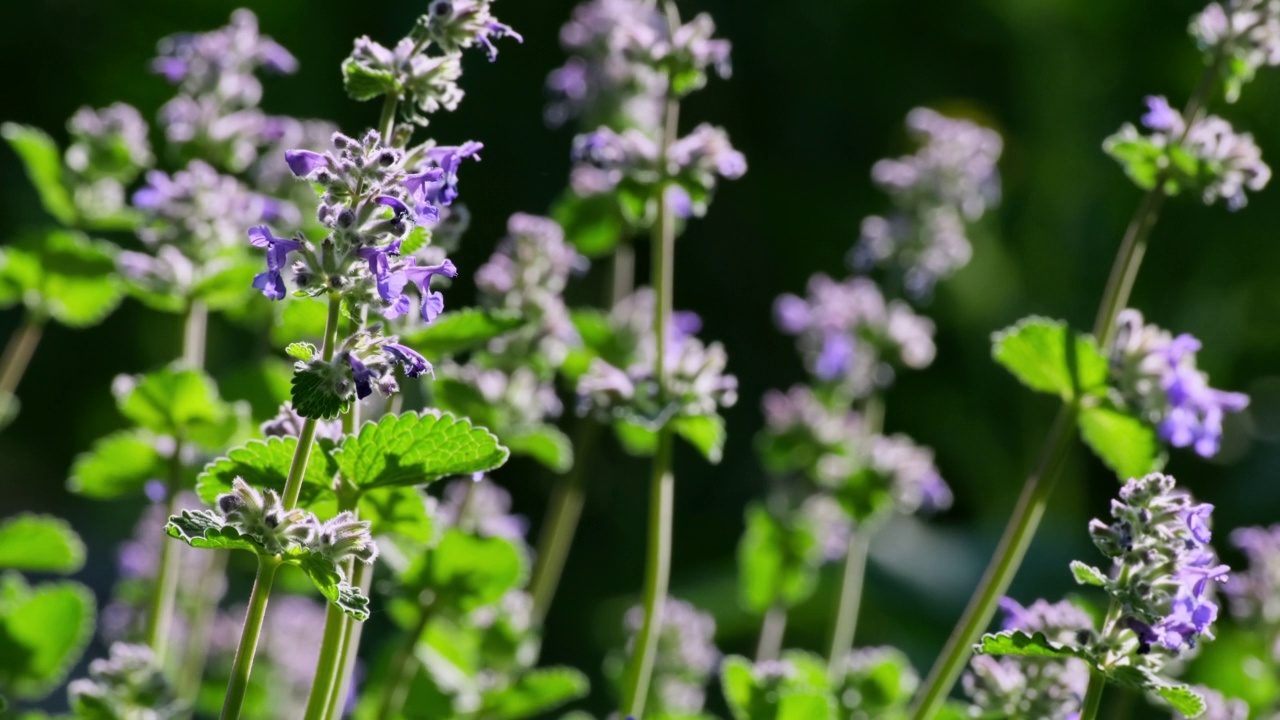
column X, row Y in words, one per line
column 398, row 208
column 835, row 357
column 304, row 162
column 425, row 200
column 275, row 58
column 1160, row 116
column 1197, row 520
column 270, row 282
column 448, row 158
column 362, row 375
column 414, row 364
column 432, row 302
column 390, row 284
column 495, row 29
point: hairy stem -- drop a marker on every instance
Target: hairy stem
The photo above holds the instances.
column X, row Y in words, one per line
column 361, row 577
column 17, row 353
column 772, row 631
column 160, row 619
column 1093, row 696
column 326, row 664
column 239, row 682
column 307, row 434
column 387, row 121
column 855, row 567
column 401, row 670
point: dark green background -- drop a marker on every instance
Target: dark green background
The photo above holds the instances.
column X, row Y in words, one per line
column 818, row 94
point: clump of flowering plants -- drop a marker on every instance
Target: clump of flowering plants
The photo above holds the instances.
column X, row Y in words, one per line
column 359, row 467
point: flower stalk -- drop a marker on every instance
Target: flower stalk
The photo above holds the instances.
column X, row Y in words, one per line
column 17, row 353
column 239, row 683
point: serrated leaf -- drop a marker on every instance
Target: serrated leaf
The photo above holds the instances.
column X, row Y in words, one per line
column 179, row 402
column 415, row 449
column 365, row 83
column 1125, row 444
column 1088, row 574
column 461, row 330
column 418, row 238
column 1045, row 355
column 704, row 432
column 43, row 630
column 206, row 529
column 314, row 396
column 300, row 350
column 43, row 162
column 329, row 581
column 467, row 571
column 533, row 693
column 1183, row 699
column 591, row 224
column 63, row 275
column 40, row 543
column 777, row 564
column 1016, row 642
column 265, row 464
column 119, row 464
column 545, row 444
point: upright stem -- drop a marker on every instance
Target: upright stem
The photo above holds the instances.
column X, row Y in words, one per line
column 195, row 332
column 855, row 566
column 772, row 631
column 239, row 683
column 623, row 279
column 1035, row 494
column 556, row 537
column 17, row 353
column 307, row 434
column 387, row 121
column 326, row 664
column 402, row 668
column 1093, row 696
column 160, row 620
column 361, row 577
column 193, row 660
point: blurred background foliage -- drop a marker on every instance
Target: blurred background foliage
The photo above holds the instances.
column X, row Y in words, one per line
column 818, row 94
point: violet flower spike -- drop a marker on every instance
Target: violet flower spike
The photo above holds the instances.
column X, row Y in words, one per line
column 449, row 159
column 424, row 199
column 304, row 162
column 270, row 282
column 414, row 364
column 432, row 302
column 362, row 376
column 390, row 284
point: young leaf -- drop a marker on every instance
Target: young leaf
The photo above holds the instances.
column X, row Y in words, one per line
column 206, row 529
column 545, row 444
column 264, row 464
column 738, row 684
column 777, row 564
column 1016, row 642
column 415, row 449
column 365, row 83
column 704, row 432
column 635, row 438
column 329, row 581
column 43, row 630
column 467, row 571
column 40, row 543
column 1087, row 574
column 180, row 402
column 533, row 693
column 461, row 330
column 1182, row 698
column 118, row 464
column 593, row 225
column 61, row 274
column 43, row 162
column 302, row 351
column 1046, row 356
column 314, row 395
column 1125, row 444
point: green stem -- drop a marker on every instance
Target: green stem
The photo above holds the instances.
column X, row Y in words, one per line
column 855, row 566
column 556, row 537
column 657, row 575
column 160, row 619
column 772, row 631
column 239, row 682
column 361, row 577
column 17, row 353
column 1093, row 696
column 195, row 332
column 326, row 664
column 387, row 121
column 1004, row 564
column 402, row 668
column 623, row 278
column 307, row 434
column 206, row 604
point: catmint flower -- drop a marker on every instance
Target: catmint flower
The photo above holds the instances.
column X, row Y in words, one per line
column 831, row 525
column 684, row 54
column 483, row 507
column 288, row 423
column 108, row 143
column 1245, row 32
column 686, row 656
column 1156, row 375
column 862, row 688
column 127, row 684
column 1254, row 592
column 1163, row 570
column 261, row 515
column 427, row 83
column 455, row 25
column 952, row 180
column 432, row 301
column 845, row 329
column 343, row 537
column 520, row 398
column 270, row 282
column 223, row 62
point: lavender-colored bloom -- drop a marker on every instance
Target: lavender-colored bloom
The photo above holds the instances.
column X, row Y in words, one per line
column 483, row 507
column 108, row 143
column 362, row 376
column 686, row 656
column 414, row 364
column 304, row 163
column 1254, row 592
column 459, row 24
column 432, row 301
column 1244, row 32
column 1160, row 116
column 425, row 201
column 222, row 62
column 1156, row 374
column 519, row 398
column 270, row 282
column 390, row 284
column 444, row 189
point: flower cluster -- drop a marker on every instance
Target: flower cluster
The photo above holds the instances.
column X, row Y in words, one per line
column 874, row 682
column 695, row 382
column 1246, row 33
column 261, row 516
column 846, row 330
column 601, row 83
column 481, row 507
column 108, row 149
column 952, row 180
column 1156, row 375
column 1207, row 155
column 1254, row 593
column 683, row 53
column 1051, row 688
column 128, row 684
column 686, row 657
column 455, row 25
column 201, row 211
column 1164, row 570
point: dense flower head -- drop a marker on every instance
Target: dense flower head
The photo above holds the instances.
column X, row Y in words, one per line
column 519, row 398
column 1156, row 374
column 223, row 62
column 1164, row 569
column 952, row 180
column 686, row 656
column 108, row 143
column 127, row 684
column 427, row 83
column 260, row 514
column 696, row 381
column 366, row 362
column 601, row 83
column 1246, row 32
column 848, row 333
column 684, row 53
column 454, row 25
column 344, row 537
column 483, row 507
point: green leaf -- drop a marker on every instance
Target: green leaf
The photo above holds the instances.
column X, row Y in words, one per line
column 365, row 83
column 635, row 438
column 802, row 696
column 1088, row 574
column 301, row 351
column 40, row 543
column 402, row 510
column 778, row 564
column 265, row 464
column 1183, row 699
column 62, row 274
column 226, row 287
column 467, row 571
column 591, row 224
column 1125, row 444
column 300, row 317
column 43, row 630
column 1046, row 356
column 119, row 464
column 418, row 238
column 461, row 330
column 43, row 162
column 533, row 693
column 1137, row 154
column 206, row 529
column 545, row 444
column 1016, row 642
column 180, row 402
column 314, row 395
column 704, row 432
column 415, row 449
column 738, row 684
column 329, row 580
